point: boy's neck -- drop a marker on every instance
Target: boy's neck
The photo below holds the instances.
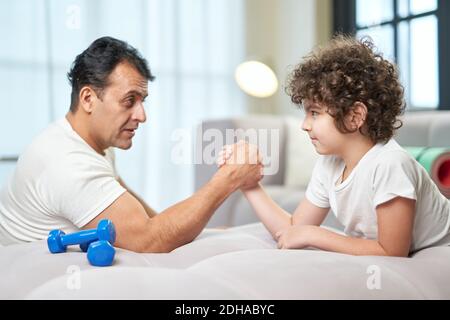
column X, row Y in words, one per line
column 355, row 150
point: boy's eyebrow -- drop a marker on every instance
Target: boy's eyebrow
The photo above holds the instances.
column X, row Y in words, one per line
column 311, row 106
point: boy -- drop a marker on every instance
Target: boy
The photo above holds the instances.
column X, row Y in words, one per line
column 386, row 201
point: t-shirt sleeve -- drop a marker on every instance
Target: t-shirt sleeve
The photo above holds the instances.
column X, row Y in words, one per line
column 83, row 188
column 317, row 192
column 394, row 176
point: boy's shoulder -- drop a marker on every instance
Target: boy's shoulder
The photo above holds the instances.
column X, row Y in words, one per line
column 392, row 154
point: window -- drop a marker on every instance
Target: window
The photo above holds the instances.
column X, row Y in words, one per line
column 409, row 33
column 192, row 48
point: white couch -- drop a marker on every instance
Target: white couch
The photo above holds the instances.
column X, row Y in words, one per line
column 237, row 263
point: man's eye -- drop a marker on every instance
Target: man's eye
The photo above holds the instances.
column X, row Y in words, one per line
column 129, row 102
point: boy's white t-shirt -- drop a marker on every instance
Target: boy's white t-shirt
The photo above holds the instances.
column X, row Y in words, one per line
column 386, row 171
column 59, row 182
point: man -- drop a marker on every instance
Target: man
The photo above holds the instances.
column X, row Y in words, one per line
column 66, row 178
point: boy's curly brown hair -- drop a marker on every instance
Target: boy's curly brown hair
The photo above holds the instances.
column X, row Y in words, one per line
column 347, row 71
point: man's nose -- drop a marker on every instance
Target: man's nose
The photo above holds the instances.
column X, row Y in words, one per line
column 139, row 113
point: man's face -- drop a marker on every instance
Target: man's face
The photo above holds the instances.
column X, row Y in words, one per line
column 118, row 114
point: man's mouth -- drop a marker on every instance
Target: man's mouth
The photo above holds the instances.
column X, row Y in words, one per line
column 130, row 131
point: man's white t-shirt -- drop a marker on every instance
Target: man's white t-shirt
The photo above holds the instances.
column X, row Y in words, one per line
column 60, row 182
column 386, row 171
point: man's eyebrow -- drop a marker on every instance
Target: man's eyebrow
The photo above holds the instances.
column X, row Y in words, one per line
column 142, row 94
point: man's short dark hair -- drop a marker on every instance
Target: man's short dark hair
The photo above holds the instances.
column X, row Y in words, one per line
column 94, row 65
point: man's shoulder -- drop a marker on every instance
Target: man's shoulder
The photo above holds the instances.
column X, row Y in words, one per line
column 53, row 147
column 48, row 143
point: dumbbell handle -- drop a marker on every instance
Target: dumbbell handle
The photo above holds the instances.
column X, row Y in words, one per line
column 79, row 237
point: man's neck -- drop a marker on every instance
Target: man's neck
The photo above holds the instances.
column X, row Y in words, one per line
column 82, row 130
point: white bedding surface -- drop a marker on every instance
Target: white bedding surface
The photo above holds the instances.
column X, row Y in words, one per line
column 237, row 263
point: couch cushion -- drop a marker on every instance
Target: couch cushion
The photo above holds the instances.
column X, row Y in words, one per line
column 301, row 154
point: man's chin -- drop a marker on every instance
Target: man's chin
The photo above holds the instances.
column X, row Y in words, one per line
column 124, row 145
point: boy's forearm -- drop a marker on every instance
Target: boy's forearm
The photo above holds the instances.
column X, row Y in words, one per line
column 323, row 239
column 272, row 216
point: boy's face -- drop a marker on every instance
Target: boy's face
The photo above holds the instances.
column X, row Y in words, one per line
column 320, row 126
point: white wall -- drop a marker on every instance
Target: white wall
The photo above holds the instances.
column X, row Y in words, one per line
column 281, row 32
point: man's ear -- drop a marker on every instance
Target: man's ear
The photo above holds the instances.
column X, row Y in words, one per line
column 86, row 98
column 358, row 115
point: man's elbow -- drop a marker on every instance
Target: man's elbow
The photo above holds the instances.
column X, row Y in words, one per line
column 154, row 248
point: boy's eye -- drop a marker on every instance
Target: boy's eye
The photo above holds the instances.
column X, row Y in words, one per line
column 314, row 113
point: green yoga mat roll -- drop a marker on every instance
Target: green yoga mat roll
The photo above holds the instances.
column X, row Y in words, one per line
column 436, row 162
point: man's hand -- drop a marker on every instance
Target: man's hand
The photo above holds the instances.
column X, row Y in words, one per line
column 243, row 162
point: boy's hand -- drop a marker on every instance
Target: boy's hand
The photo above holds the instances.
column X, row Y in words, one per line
column 242, row 153
column 240, row 162
column 224, row 155
column 232, row 154
column 294, row 237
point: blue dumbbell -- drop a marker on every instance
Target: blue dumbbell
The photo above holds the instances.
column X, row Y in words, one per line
column 58, row 241
column 85, row 246
column 101, row 253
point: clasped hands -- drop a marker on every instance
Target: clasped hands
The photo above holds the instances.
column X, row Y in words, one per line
column 244, row 162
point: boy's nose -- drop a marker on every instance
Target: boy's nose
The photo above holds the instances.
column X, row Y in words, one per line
column 305, row 125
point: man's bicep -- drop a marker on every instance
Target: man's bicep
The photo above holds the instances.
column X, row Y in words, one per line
column 309, row 214
column 150, row 212
column 129, row 218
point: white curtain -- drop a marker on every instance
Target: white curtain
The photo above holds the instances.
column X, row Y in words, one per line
column 192, row 47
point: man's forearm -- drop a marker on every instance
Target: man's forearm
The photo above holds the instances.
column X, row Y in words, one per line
column 182, row 222
column 323, row 239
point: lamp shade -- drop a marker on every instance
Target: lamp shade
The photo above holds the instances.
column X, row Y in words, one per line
column 256, row 79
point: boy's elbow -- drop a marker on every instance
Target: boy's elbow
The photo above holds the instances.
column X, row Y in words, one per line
column 393, row 252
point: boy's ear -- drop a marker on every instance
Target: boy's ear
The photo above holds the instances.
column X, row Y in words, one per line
column 358, row 115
